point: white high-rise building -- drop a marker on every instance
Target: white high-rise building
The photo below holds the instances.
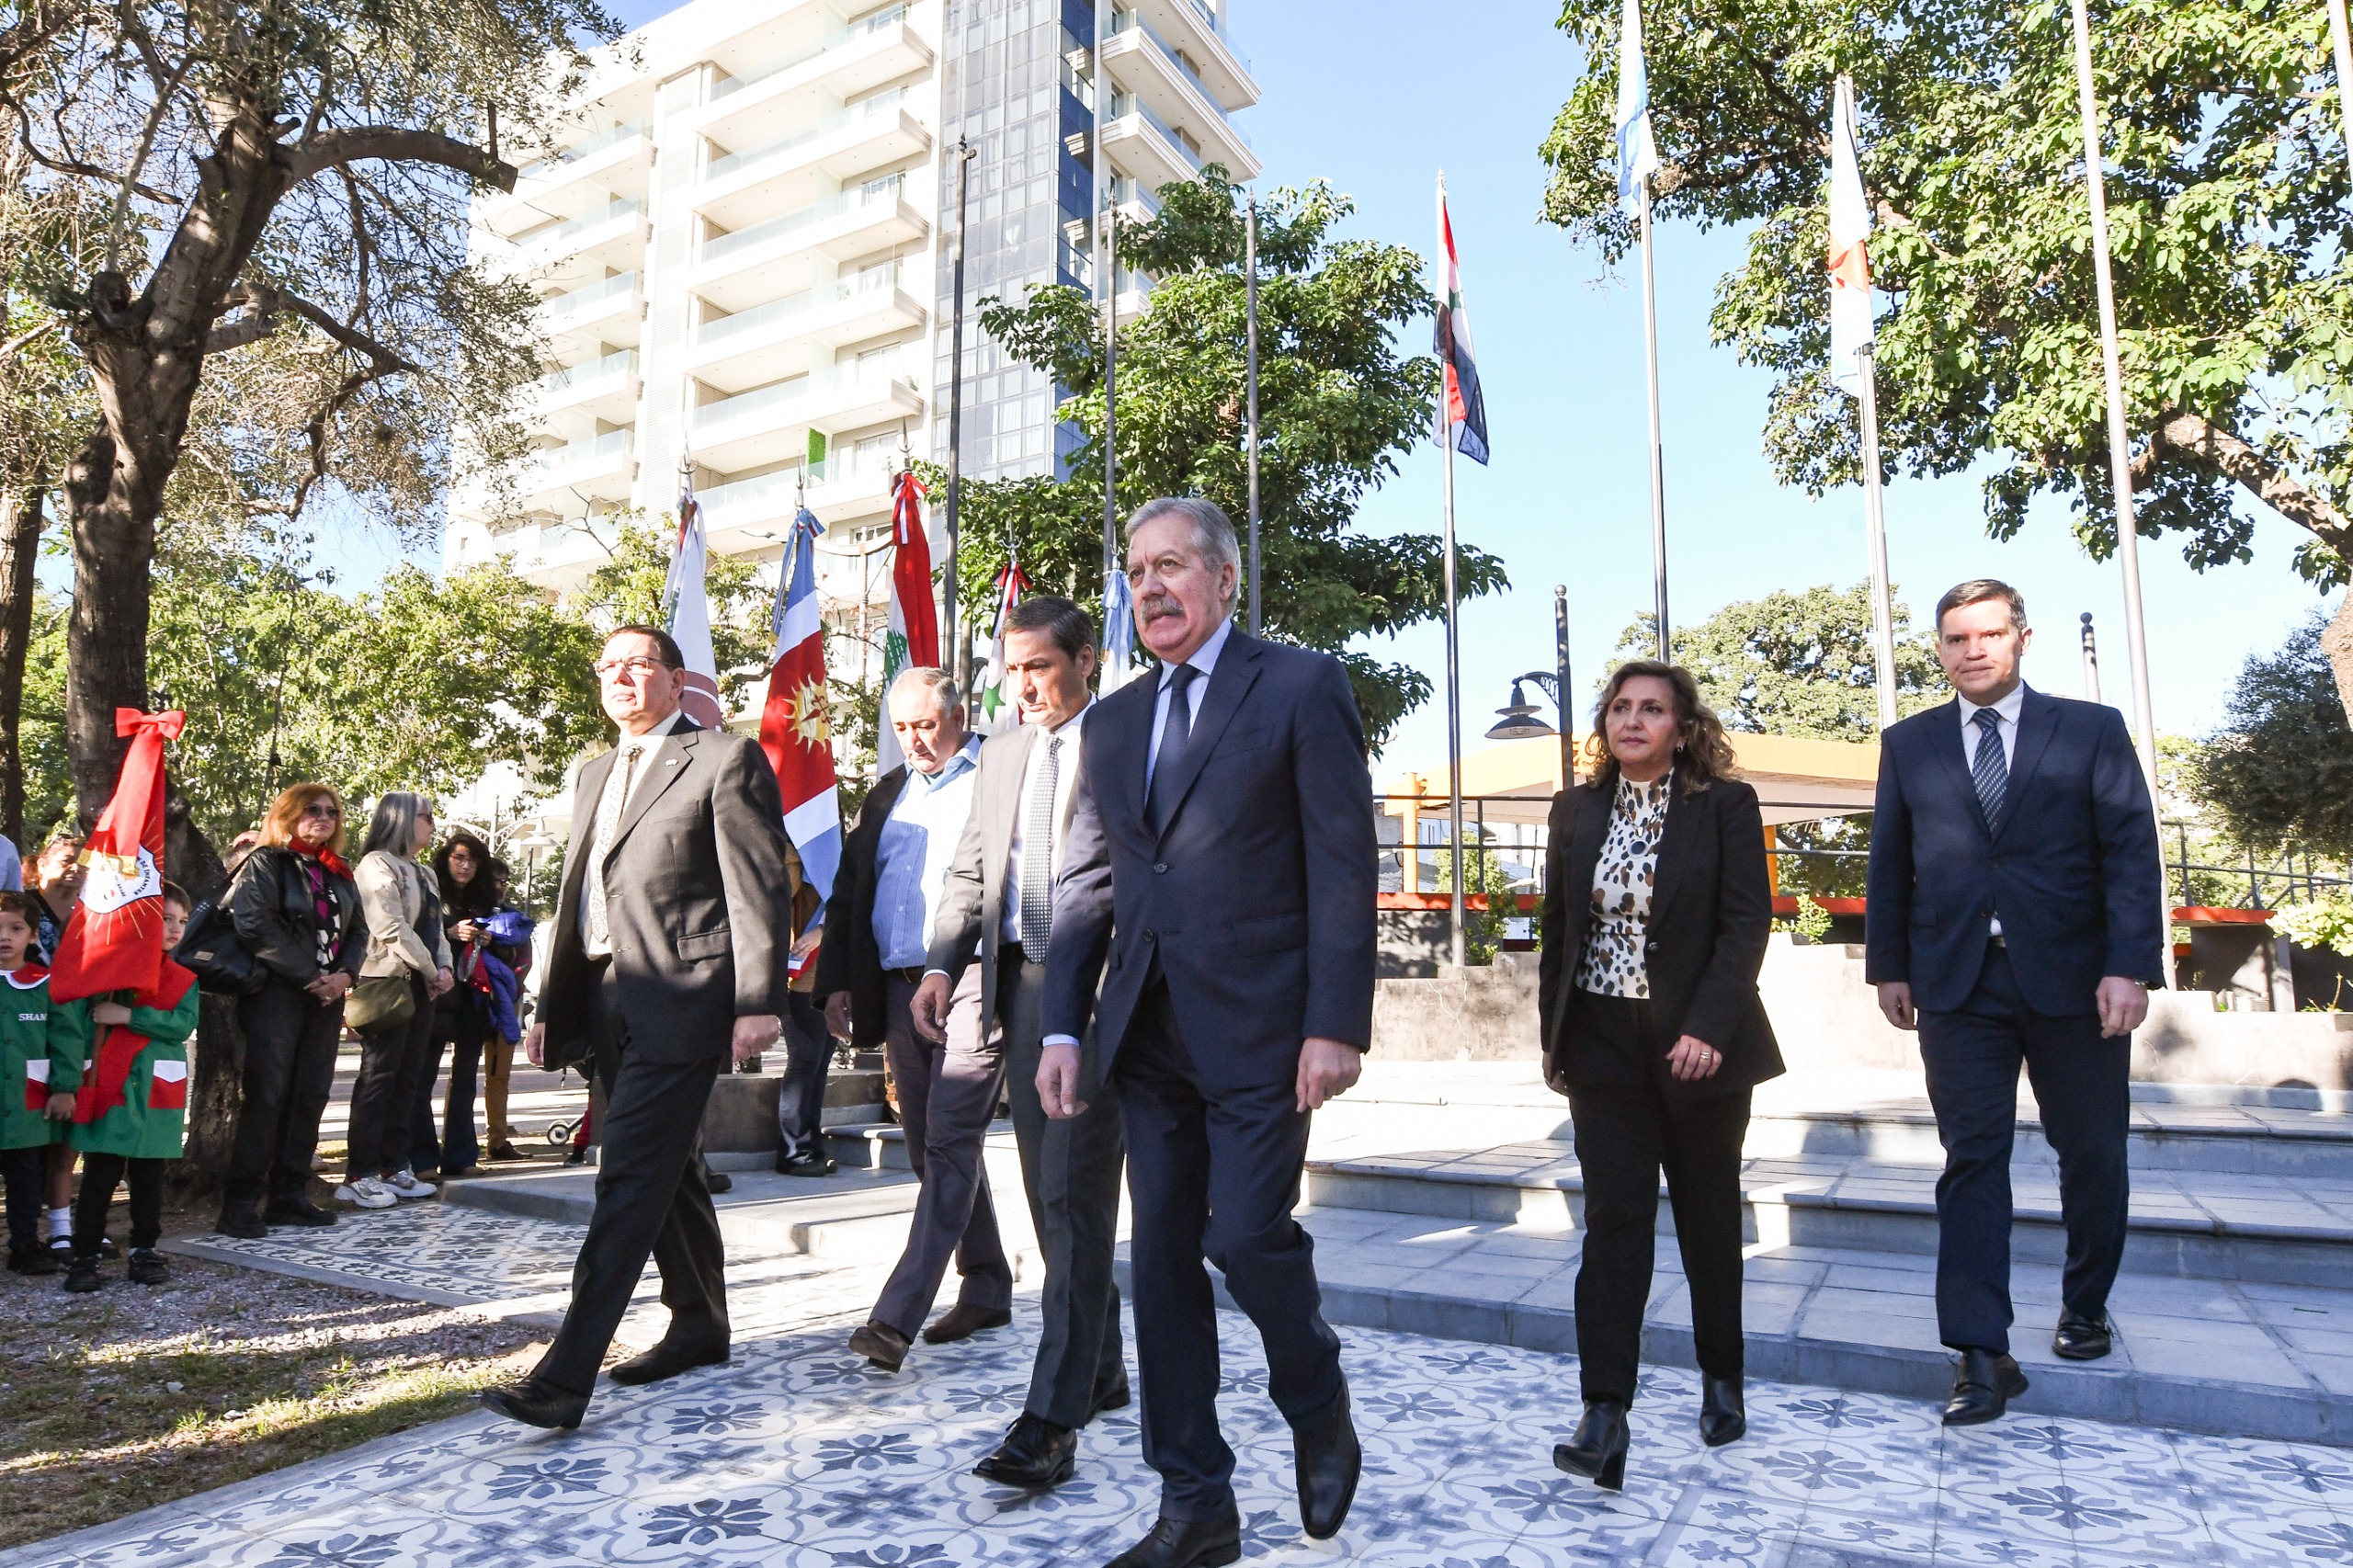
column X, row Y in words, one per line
column 744, row 255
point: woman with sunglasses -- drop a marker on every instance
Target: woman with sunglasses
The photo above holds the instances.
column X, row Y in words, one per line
column 296, row 912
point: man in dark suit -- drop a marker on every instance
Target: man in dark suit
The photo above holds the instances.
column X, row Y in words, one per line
column 999, row 902
column 671, row 938
column 1222, row 859
column 2014, row 916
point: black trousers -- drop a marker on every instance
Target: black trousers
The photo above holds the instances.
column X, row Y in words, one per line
column 290, row 1038
column 808, row 1058
column 453, row 1144
column 1628, row 1133
column 1071, row 1172
column 2083, row 1084
column 1213, row 1173
column 26, row 1174
column 650, row 1201
column 391, row 1061
column 100, row 1175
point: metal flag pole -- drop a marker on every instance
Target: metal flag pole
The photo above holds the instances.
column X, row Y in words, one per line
column 1111, row 397
column 2120, row 444
column 959, row 657
column 1562, row 699
column 1658, row 454
column 1250, row 394
column 1460, row 952
column 1875, row 526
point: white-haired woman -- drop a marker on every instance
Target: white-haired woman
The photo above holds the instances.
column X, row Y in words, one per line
column 407, row 966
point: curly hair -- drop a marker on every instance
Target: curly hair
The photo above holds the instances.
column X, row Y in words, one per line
column 1702, row 751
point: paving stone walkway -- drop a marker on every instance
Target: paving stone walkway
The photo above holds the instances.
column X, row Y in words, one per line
column 797, row 1454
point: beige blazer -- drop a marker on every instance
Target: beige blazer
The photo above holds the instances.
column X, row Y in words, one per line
column 391, row 897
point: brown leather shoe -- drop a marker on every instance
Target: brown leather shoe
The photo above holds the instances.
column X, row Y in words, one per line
column 962, row 1321
column 881, row 1343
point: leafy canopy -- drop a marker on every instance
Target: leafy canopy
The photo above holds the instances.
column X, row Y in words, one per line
column 1337, row 405
column 2280, row 769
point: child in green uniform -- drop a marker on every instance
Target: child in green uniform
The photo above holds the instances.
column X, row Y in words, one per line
column 131, row 1113
column 35, row 1090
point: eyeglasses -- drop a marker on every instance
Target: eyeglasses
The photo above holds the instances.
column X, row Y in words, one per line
column 635, row 668
column 321, row 809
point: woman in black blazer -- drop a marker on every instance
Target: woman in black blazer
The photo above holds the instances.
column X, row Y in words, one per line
column 1655, row 913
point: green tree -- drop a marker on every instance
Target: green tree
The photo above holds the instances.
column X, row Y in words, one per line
column 1482, row 872
column 2279, row 771
column 628, row 588
column 1337, row 407
column 2226, row 191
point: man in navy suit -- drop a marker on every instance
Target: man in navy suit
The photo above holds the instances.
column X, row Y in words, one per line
column 2014, row 916
column 1221, row 856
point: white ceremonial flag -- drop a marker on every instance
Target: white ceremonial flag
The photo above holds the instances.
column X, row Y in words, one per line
column 1637, row 152
column 1849, row 263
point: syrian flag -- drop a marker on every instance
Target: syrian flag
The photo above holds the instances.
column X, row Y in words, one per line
column 114, row 940
column 1462, row 415
column 913, row 640
column 686, row 608
column 1118, row 634
column 1637, row 150
column 1849, row 263
column 991, row 701
column 795, row 727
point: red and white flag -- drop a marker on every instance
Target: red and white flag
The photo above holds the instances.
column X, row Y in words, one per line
column 912, row 641
column 1850, row 259
column 114, row 939
column 688, row 606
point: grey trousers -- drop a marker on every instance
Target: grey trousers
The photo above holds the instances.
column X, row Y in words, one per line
column 947, row 1095
column 1070, row 1170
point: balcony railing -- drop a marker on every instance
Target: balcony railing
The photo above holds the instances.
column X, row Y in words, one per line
column 588, row 149
column 875, row 107
column 1129, row 21
column 769, row 402
column 792, row 306
column 865, row 26
column 1126, row 104
column 611, row 365
column 771, row 493
column 554, row 234
column 594, row 293
column 595, row 450
column 881, row 192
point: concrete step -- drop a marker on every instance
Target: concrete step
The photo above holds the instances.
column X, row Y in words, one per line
column 2229, row 1140
column 854, row 1216
column 883, row 1146
column 2196, row 1226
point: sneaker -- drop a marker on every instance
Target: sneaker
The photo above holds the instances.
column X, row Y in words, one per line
column 148, row 1267
column 368, row 1192
column 81, row 1275
column 404, row 1182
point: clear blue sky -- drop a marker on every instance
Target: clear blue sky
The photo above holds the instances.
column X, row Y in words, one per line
column 1376, row 96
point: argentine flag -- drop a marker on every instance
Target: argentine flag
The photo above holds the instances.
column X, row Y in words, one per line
column 1637, row 152
column 1118, row 634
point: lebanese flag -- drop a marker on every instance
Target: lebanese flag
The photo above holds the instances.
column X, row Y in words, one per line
column 990, row 702
column 687, row 606
column 1462, row 411
column 795, row 730
column 1849, row 261
column 114, row 940
column 913, row 639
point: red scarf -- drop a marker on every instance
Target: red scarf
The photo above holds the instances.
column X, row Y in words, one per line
column 324, row 857
column 112, row 1067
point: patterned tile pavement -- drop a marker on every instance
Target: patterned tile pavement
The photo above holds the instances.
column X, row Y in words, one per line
column 797, row 1454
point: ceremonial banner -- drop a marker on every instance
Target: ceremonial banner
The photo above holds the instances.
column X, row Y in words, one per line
column 686, row 608
column 795, row 727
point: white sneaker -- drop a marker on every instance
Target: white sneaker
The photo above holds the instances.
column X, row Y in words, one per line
column 368, row 1192
column 403, row 1183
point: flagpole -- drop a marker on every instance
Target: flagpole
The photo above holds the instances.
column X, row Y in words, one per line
column 1460, row 950
column 957, row 659
column 1110, row 395
column 1875, row 526
column 2119, row 443
column 1250, row 377
column 1658, row 454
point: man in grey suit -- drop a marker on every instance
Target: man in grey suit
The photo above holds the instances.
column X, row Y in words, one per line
column 999, row 901
column 671, row 940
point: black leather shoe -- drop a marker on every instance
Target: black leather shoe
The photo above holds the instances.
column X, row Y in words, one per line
column 1036, row 1454
column 715, row 1182
column 297, row 1211
column 1329, row 1460
column 665, row 1360
column 82, row 1275
column 32, row 1260
column 576, row 1157
column 882, row 1344
column 1597, row 1449
column 537, row 1406
column 2083, row 1338
column 1724, row 1413
column 812, row 1163
column 242, row 1220
column 1185, row 1543
column 962, row 1321
column 1987, row 1382
column 148, row 1267
column 1116, row 1397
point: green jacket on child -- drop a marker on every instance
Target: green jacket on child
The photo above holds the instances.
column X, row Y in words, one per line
column 133, row 1096
column 37, row 1052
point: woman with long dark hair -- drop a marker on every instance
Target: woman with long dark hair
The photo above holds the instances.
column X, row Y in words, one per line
column 297, row 911
column 1657, row 908
column 468, row 876
column 407, row 952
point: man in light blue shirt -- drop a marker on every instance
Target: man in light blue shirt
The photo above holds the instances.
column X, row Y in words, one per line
column 918, row 841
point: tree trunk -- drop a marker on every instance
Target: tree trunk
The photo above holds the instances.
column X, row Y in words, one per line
column 217, row 1066
column 20, row 528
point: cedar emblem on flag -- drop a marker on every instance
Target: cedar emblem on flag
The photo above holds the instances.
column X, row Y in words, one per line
column 114, row 940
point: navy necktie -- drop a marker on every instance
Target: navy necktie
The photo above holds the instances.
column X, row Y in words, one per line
column 1991, row 770
column 1176, row 731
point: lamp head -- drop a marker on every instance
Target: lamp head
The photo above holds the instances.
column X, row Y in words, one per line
column 1518, row 721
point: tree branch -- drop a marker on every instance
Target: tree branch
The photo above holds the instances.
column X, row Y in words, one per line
column 2224, row 452
column 27, row 338
column 330, row 149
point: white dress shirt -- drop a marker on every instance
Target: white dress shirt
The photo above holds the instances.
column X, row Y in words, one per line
column 625, row 780
column 1066, row 779
column 2006, row 710
column 914, row 852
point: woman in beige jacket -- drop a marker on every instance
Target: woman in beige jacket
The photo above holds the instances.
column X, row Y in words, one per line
column 401, row 910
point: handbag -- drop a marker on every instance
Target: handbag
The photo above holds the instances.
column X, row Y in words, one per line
column 379, row 1002
column 211, row 951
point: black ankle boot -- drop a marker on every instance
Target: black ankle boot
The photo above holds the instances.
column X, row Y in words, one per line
column 1724, row 1413
column 1598, row 1452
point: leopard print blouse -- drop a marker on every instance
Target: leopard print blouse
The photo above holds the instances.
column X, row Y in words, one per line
column 1623, row 875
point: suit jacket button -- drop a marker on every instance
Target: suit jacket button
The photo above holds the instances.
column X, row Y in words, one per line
column 1150, row 934
column 1160, row 868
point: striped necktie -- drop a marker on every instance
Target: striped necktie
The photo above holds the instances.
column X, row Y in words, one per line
column 1991, row 770
column 1038, row 856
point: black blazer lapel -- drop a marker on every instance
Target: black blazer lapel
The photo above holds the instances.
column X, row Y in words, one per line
column 663, row 766
column 2038, row 721
column 1589, row 828
column 1236, row 672
column 1945, row 744
column 1677, row 842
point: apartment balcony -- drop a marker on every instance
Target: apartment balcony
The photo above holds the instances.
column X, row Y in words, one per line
column 606, row 387
column 608, row 310
column 756, row 263
column 839, row 147
column 618, row 159
column 609, row 236
column 1142, row 144
column 553, row 552
column 755, row 429
column 1223, row 70
column 742, row 350
column 738, row 515
column 598, row 468
column 1144, row 66
column 756, row 109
